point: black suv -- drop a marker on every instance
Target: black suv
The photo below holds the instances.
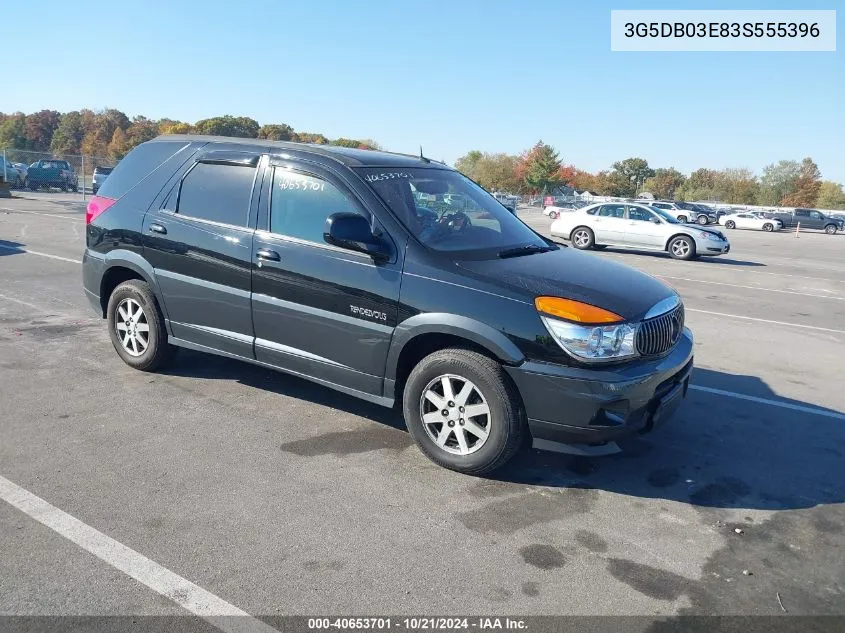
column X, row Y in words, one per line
column 389, row 277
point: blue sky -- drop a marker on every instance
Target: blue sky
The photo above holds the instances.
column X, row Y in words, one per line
column 450, row 75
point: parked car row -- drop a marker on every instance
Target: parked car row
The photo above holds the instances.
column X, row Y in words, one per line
column 638, row 225
column 14, row 173
column 49, row 173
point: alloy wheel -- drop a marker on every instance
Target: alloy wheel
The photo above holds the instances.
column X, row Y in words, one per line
column 581, row 238
column 680, row 248
column 132, row 327
column 455, row 414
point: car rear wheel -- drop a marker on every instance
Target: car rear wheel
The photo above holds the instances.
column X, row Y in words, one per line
column 703, row 220
column 463, row 411
column 682, row 248
column 830, row 229
column 553, row 215
column 683, row 218
column 730, row 224
column 583, row 238
column 32, row 186
column 768, row 227
column 137, row 328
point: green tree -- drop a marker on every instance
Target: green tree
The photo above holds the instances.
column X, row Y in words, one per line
column 807, row 187
column 497, row 172
column 539, row 168
column 276, row 132
column 13, row 132
column 67, row 139
column 613, row 183
column 228, row 125
column 831, row 196
column 633, row 170
column 665, row 183
column 467, row 163
column 778, row 181
column 345, row 142
column 701, row 185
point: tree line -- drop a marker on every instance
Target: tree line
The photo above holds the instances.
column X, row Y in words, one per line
column 539, row 170
column 111, row 134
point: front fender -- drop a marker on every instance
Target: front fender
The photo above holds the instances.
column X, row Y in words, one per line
column 473, row 330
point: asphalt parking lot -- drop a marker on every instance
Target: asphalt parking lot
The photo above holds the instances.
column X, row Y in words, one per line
column 276, row 496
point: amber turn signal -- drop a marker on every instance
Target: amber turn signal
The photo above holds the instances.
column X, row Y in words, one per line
column 575, row 310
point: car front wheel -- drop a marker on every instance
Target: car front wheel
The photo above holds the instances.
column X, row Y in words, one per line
column 682, row 248
column 703, row 220
column 768, row 227
column 137, row 328
column 830, row 229
column 730, row 224
column 583, row 238
column 553, row 215
column 463, row 411
column 682, row 218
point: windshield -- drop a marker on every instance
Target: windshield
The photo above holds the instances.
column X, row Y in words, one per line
column 448, row 212
column 664, row 216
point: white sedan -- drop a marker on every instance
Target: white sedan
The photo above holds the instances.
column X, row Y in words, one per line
column 750, row 221
column 640, row 227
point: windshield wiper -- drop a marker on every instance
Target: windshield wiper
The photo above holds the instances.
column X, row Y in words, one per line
column 527, row 249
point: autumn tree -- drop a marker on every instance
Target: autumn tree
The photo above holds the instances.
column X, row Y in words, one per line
column 737, row 186
column 664, row 183
column 539, row 168
column 831, row 196
column 177, row 127
column 119, row 145
column 40, row 127
column 467, row 163
column 701, row 185
column 778, row 181
column 276, row 132
column 310, row 137
column 141, row 130
column 807, row 187
column 613, row 183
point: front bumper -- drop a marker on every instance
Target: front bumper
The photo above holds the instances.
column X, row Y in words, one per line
column 574, row 405
column 711, row 247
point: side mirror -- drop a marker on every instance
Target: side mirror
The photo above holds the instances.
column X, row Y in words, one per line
column 352, row 231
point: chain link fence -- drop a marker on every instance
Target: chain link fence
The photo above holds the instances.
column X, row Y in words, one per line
column 49, row 172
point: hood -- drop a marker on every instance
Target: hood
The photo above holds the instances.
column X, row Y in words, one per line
column 709, row 230
column 571, row 274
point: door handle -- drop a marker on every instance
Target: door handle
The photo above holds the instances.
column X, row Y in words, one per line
column 267, row 254
column 158, row 228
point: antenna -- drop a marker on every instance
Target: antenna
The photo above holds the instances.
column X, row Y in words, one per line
column 423, row 158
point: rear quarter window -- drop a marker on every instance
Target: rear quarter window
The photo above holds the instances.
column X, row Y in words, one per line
column 137, row 165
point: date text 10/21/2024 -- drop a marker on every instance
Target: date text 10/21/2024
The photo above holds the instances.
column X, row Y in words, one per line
column 418, row 624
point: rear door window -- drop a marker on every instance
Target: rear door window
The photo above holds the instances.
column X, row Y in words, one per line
column 217, row 193
column 137, row 165
column 612, row 211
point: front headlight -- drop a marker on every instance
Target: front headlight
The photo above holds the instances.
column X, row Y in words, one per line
column 706, row 235
column 593, row 342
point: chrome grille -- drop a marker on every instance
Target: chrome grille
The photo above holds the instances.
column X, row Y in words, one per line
column 659, row 335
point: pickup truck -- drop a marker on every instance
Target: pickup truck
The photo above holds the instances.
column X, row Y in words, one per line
column 51, row 173
column 810, row 219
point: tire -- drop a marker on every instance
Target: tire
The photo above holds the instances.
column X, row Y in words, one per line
column 830, row 229
column 683, row 219
column 703, row 220
column 489, row 387
column 553, row 215
column 582, row 238
column 64, row 187
column 157, row 353
column 32, row 186
column 94, row 190
column 682, row 247
column 599, row 247
column 19, row 183
column 768, row 227
column 730, row 224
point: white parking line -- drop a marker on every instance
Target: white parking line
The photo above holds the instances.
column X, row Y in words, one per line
column 773, row 403
column 26, row 250
column 183, row 592
column 49, row 215
column 747, row 318
column 722, row 283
